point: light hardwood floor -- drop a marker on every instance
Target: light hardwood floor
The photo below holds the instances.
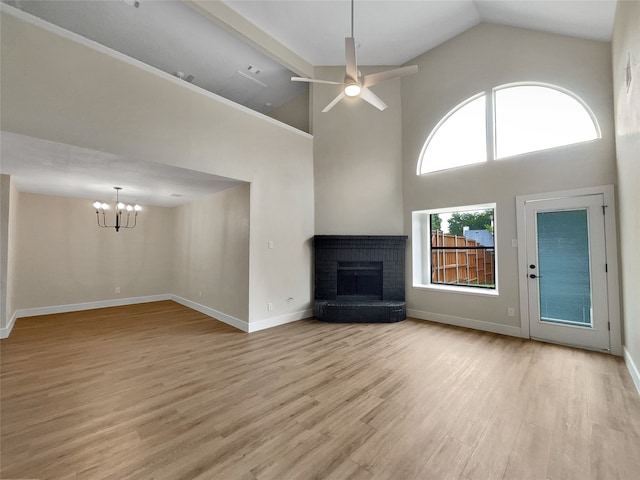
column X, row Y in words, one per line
column 160, row 391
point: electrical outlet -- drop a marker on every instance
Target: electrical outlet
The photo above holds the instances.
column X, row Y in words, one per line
column 200, row 294
column 511, row 312
column 269, row 306
column 117, row 289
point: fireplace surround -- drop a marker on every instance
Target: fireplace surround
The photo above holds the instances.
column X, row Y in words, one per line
column 359, row 278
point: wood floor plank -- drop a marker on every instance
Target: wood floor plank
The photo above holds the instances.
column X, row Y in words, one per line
column 161, row 391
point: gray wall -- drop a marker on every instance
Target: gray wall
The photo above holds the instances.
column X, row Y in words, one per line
column 65, row 91
column 357, row 154
column 625, row 45
column 478, row 60
column 198, row 251
column 211, row 251
column 62, row 257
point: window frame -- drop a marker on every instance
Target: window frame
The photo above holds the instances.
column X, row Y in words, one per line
column 494, row 130
column 422, row 251
column 490, row 125
column 442, row 121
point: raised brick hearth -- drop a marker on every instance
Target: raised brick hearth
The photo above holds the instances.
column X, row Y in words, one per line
column 360, row 278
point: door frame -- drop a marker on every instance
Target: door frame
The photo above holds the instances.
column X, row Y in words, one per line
column 611, row 251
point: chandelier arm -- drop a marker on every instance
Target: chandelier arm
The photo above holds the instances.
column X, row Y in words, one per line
column 104, row 223
column 101, row 216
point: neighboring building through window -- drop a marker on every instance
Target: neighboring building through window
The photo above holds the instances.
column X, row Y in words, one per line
column 527, row 118
column 455, row 248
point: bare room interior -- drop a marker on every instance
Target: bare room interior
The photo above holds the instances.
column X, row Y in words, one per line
column 369, row 239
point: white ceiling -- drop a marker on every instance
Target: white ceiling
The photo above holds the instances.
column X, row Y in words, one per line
column 50, row 168
column 392, row 32
column 173, row 37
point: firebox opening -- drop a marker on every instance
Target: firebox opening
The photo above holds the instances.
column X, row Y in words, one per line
column 360, row 281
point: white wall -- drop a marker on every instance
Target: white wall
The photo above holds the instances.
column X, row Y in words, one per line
column 62, row 257
column 65, row 91
column 478, row 60
column 211, row 252
column 357, row 160
column 625, row 45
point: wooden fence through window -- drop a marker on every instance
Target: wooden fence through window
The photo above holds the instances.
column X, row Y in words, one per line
column 467, row 263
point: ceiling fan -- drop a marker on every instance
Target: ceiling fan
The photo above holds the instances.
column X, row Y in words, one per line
column 355, row 84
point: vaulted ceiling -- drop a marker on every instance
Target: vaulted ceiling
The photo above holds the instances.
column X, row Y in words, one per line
column 247, row 50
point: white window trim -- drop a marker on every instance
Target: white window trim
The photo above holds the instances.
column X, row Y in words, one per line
column 439, row 124
column 490, row 124
column 492, row 113
column 418, row 267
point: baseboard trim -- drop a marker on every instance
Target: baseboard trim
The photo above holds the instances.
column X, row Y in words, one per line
column 281, row 320
column 223, row 317
column 76, row 307
column 633, row 368
column 247, row 327
column 6, row 331
column 467, row 323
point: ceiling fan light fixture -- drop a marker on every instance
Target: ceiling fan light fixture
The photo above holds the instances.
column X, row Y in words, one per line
column 352, row 90
column 355, row 84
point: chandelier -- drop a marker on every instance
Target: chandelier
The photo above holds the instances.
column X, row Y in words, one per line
column 121, row 209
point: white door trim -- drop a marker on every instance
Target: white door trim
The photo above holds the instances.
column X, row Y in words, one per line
column 611, row 239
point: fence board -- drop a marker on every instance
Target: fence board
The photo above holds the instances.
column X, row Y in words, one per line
column 460, row 267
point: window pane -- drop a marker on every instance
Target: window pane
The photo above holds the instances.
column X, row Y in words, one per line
column 563, row 263
column 531, row 118
column 459, row 140
column 462, row 248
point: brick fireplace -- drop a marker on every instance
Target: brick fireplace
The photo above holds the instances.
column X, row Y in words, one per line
column 359, row 278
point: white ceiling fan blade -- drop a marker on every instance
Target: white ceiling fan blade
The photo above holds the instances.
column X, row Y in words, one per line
column 315, row 80
column 350, row 54
column 333, row 102
column 376, row 78
column 368, row 96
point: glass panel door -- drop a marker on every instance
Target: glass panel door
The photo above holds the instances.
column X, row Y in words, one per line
column 566, row 271
column 564, row 267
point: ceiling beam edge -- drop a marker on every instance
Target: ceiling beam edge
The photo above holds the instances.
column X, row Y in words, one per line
column 227, row 18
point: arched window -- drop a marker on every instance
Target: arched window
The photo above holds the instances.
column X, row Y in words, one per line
column 459, row 139
column 527, row 118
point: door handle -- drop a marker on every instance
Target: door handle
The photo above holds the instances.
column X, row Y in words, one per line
column 533, row 275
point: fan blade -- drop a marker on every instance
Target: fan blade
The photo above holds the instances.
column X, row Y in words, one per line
column 333, row 102
column 350, row 54
column 368, row 96
column 315, row 80
column 376, row 78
